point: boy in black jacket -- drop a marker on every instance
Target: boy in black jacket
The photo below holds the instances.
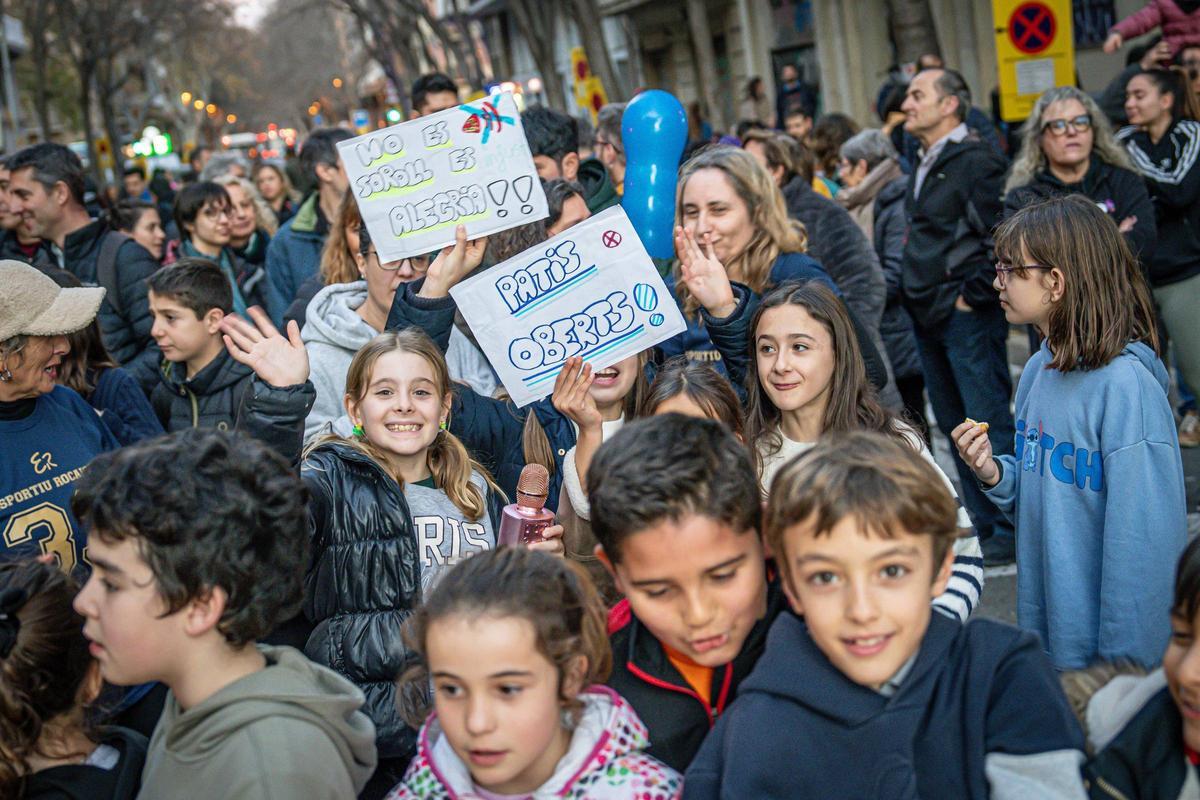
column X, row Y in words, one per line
column 203, row 386
column 869, row 693
column 676, row 511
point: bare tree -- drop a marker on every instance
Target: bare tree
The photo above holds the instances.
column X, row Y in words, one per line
column 913, row 31
column 589, row 22
column 535, row 21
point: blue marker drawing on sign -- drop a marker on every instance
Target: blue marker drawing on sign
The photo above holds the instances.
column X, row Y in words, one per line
column 534, row 282
column 491, row 119
column 587, row 332
column 645, row 297
column 657, row 319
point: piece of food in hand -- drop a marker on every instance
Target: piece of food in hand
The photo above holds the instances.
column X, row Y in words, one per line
column 983, row 426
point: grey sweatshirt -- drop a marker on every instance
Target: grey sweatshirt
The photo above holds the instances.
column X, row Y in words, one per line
column 333, row 332
column 444, row 534
column 293, row 729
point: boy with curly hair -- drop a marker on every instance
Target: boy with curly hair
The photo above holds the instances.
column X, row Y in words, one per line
column 199, row 544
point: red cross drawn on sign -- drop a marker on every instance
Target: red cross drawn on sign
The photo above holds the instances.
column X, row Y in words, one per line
column 611, row 238
column 1032, row 27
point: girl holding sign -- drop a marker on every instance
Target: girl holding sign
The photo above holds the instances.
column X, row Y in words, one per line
column 728, row 204
column 806, row 378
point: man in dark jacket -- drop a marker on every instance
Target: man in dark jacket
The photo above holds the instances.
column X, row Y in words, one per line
column 294, row 255
column 952, row 204
column 554, row 142
column 46, row 188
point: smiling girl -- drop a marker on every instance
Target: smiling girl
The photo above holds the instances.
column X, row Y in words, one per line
column 1096, row 486
column 391, row 508
column 515, row 645
column 806, row 378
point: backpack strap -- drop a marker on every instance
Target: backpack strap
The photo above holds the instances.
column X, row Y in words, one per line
column 106, row 268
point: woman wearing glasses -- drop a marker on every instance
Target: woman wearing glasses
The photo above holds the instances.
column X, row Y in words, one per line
column 1068, row 147
column 345, row 316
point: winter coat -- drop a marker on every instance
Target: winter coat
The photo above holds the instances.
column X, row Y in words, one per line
column 89, row 781
column 1091, row 447
column 1180, row 26
column 255, row 251
column 605, row 761
column 126, row 334
column 1119, row 192
column 294, row 255
column 948, row 252
column 1136, row 730
column 877, row 205
column 226, row 394
column 676, row 716
column 598, row 190
column 979, row 714
column 842, row 250
column 1171, row 169
column 124, row 407
column 364, row 580
column 39, row 254
column 291, row 729
column 298, row 310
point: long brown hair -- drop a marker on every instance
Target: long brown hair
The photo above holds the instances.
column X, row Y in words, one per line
column 555, row 595
column 535, row 444
column 337, row 262
column 853, row 404
column 1106, row 302
column 774, row 231
column 42, row 675
column 700, row 383
column 449, row 461
column 88, row 353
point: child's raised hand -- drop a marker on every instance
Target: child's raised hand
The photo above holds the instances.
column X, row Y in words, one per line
column 704, row 275
column 572, row 398
column 277, row 361
column 453, row 264
column 552, row 541
column 1113, row 42
column 971, row 439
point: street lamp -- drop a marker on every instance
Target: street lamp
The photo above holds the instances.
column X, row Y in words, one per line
column 199, row 104
column 185, row 97
column 231, row 118
column 337, row 83
column 211, row 109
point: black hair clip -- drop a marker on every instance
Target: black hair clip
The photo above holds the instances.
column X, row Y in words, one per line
column 11, row 601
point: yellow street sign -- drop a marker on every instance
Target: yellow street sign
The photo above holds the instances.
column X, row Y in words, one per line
column 1035, row 51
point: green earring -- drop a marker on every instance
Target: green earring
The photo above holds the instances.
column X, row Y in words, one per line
column 358, row 432
column 443, row 426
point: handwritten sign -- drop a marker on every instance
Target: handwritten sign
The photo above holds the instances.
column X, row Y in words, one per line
column 414, row 182
column 591, row 291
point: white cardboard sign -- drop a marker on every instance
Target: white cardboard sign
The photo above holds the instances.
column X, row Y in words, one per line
column 415, row 181
column 591, row 291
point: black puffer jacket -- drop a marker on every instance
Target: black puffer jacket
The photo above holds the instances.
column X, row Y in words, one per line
column 126, row 334
column 949, row 248
column 225, row 395
column 891, row 229
column 364, row 581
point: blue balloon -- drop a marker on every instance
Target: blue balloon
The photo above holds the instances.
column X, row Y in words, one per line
column 654, row 133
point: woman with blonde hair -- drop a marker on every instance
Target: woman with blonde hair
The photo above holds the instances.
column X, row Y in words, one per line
column 251, row 223
column 1068, row 147
column 728, row 208
column 276, row 188
column 337, row 260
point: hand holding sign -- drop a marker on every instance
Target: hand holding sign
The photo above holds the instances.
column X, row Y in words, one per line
column 590, row 292
column 704, row 275
column 417, row 181
column 453, row 264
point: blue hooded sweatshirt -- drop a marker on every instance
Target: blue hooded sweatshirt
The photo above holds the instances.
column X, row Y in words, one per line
column 979, row 714
column 1096, row 493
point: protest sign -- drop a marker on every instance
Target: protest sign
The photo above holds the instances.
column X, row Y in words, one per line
column 591, row 291
column 415, row 181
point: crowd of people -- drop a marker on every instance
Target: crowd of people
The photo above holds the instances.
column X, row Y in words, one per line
column 253, row 476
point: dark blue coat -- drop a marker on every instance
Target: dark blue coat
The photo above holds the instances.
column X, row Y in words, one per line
column 800, row 728
column 124, row 407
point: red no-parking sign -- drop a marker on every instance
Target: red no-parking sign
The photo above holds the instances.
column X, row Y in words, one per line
column 1034, row 51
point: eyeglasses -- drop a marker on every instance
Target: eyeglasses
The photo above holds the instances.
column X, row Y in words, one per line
column 599, row 143
column 419, row 264
column 1003, row 269
column 1058, row 127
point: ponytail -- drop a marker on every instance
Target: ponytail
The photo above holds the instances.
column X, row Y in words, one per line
column 1175, row 81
